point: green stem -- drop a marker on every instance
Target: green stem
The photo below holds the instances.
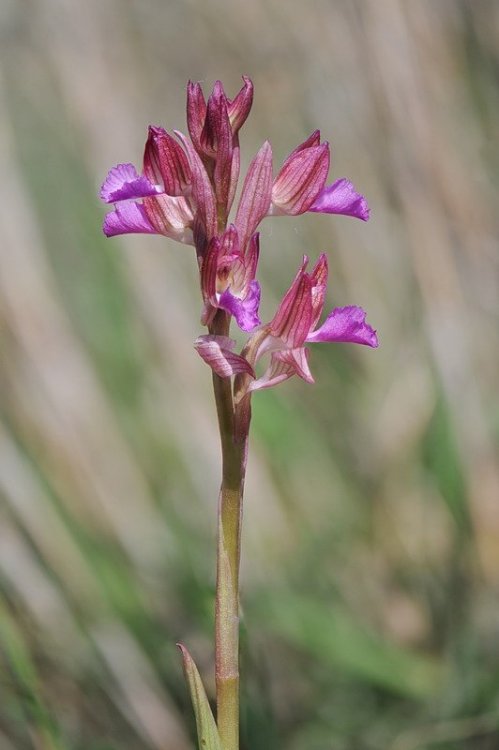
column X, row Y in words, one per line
column 228, row 556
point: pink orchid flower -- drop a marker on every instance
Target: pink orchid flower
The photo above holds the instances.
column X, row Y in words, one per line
column 293, row 325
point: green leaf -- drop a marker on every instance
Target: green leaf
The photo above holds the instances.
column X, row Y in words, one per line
column 208, row 738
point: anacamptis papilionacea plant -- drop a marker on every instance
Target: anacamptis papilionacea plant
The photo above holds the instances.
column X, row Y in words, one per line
column 185, row 191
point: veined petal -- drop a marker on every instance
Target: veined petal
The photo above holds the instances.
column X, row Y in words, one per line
column 229, row 241
column 251, row 255
column 217, row 352
column 221, row 137
column 283, row 365
column 239, row 107
column 165, row 161
column 234, row 172
column 346, row 324
column 202, row 191
column 196, row 113
column 292, row 321
column 255, row 196
column 243, row 266
column 244, row 310
column 244, row 270
column 123, row 182
column 313, row 140
column 170, row 216
column 128, row 218
column 301, row 179
column 319, row 285
column 341, row 198
column 216, row 120
column 298, row 359
column 208, row 273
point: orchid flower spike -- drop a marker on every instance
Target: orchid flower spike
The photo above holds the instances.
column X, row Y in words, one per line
column 186, row 189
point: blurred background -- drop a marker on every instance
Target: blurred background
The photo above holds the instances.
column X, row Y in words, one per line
column 371, row 539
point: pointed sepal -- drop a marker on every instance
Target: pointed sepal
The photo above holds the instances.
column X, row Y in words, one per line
column 208, row 737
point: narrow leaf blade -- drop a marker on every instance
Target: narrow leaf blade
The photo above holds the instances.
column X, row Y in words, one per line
column 208, row 738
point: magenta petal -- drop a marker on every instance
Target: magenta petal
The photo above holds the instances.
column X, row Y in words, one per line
column 244, row 310
column 348, row 325
column 128, row 218
column 123, row 182
column 341, row 198
column 217, row 353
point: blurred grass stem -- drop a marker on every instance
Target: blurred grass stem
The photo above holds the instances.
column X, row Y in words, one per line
column 228, row 557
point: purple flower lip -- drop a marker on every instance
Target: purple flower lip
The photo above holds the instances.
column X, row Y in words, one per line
column 123, row 182
column 157, row 214
column 341, row 198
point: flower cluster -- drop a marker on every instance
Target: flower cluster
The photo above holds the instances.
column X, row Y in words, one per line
column 186, row 190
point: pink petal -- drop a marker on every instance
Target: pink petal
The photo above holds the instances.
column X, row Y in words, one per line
column 217, row 119
column 128, row 218
column 217, row 353
column 301, row 179
column 123, row 182
column 313, row 140
column 196, row 112
column 251, row 259
column 208, row 274
column 348, row 325
column 292, row 321
column 239, row 107
column 165, row 161
column 298, row 360
column 217, row 134
column 319, row 286
column 283, row 365
column 341, row 198
column 202, row 191
column 234, row 172
column 255, row 196
column 170, row 216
